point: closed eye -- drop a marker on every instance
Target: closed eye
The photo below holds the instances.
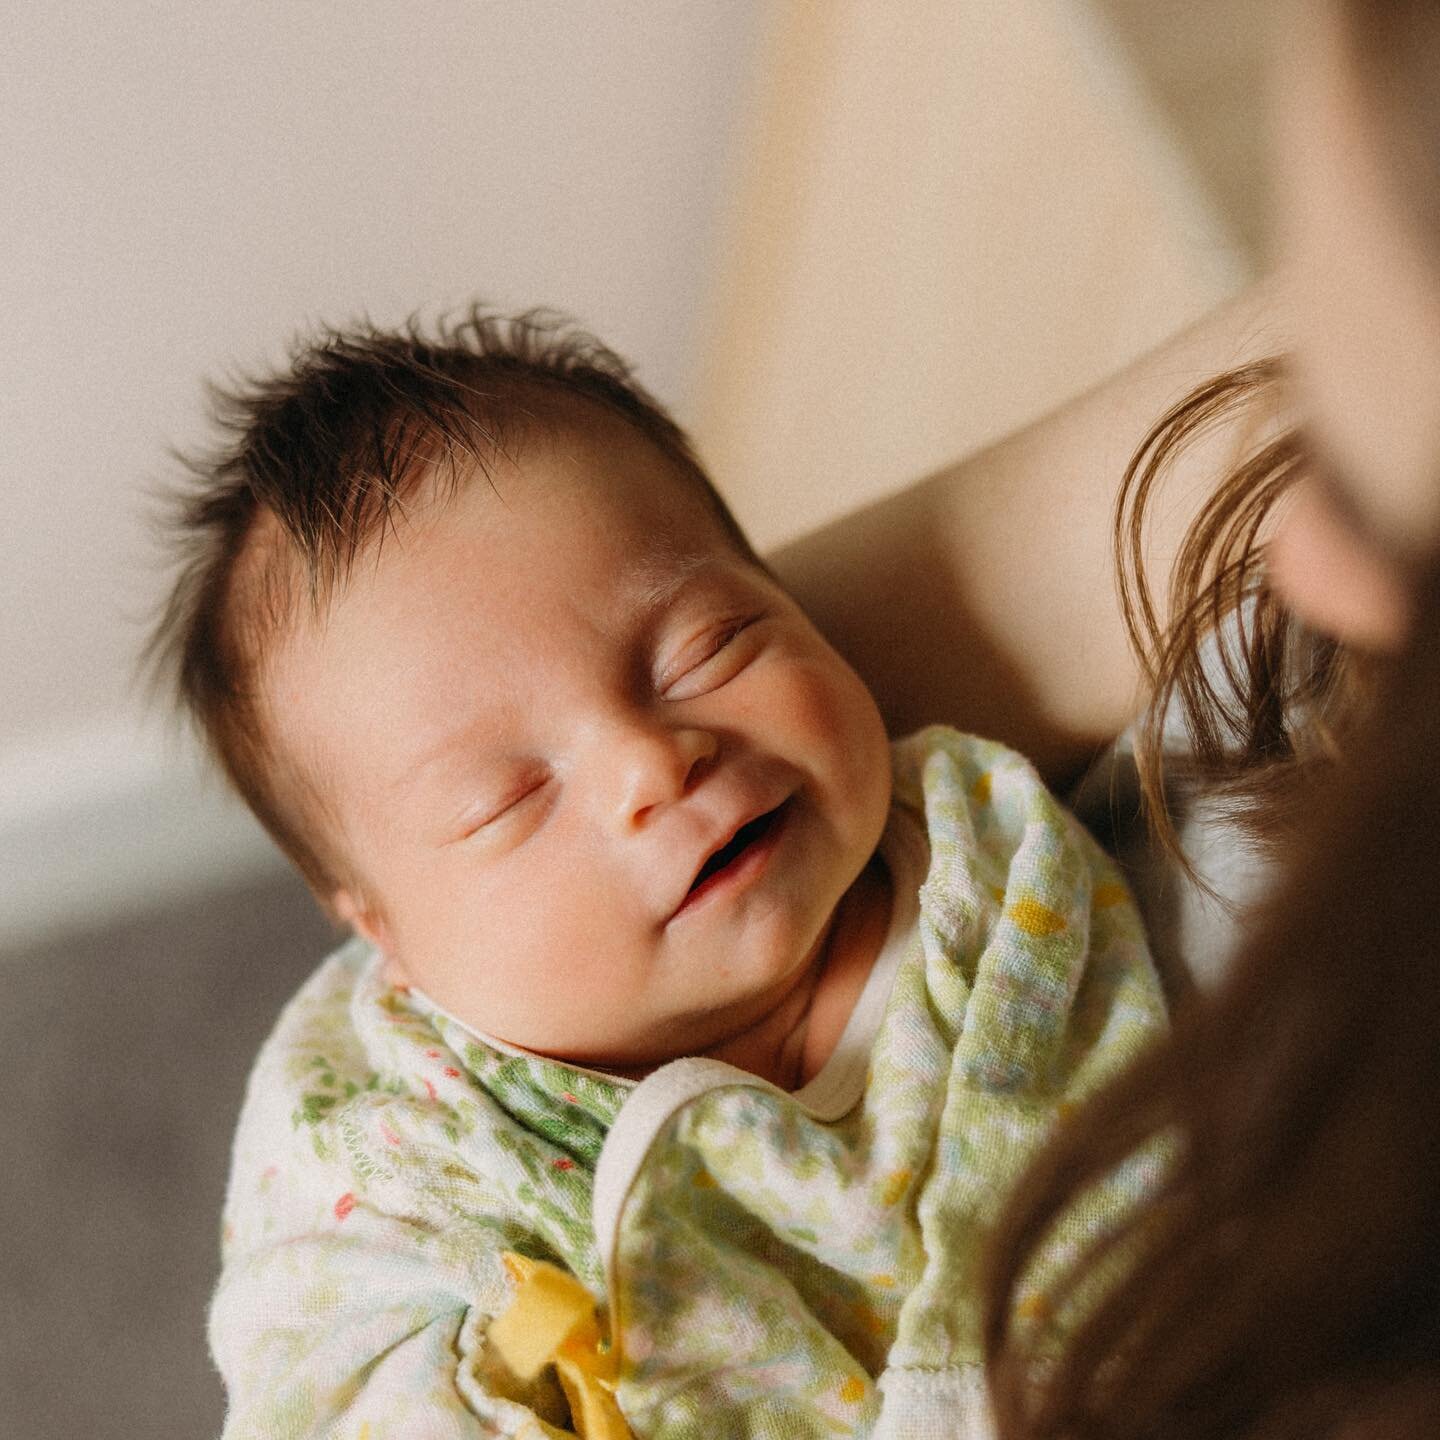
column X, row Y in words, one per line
column 504, row 810
column 712, row 660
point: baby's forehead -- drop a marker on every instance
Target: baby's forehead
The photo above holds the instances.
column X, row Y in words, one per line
column 480, row 606
column 501, row 536
column 599, row 493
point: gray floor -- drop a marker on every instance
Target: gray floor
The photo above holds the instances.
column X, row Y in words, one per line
column 123, row 1057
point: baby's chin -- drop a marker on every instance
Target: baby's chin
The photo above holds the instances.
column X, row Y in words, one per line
column 761, row 1016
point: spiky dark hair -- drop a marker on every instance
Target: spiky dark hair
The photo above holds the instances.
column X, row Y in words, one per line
column 313, row 464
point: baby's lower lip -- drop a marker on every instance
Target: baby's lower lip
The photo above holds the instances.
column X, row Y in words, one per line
column 744, row 868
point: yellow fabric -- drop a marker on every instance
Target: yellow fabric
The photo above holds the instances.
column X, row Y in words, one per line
column 551, row 1321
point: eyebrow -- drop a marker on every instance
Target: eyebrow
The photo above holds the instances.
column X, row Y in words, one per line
column 662, row 575
column 437, row 752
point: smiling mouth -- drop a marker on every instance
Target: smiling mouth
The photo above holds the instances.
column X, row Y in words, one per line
column 727, row 859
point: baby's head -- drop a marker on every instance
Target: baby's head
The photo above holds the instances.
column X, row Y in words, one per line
column 467, row 626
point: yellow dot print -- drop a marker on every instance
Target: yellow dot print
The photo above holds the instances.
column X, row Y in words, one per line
column 704, row 1180
column 852, row 1391
column 980, row 790
column 896, row 1184
column 1107, row 895
column 1035, row 919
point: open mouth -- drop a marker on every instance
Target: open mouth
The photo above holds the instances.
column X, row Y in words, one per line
column 729, row 858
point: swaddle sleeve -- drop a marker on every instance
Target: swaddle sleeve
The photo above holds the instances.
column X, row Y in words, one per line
column 363, row 1337
column 368, row 1208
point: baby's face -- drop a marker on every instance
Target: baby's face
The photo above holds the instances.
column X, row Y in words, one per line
column 539, row 711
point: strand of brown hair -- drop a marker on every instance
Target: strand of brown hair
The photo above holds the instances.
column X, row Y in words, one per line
column 1263, row 709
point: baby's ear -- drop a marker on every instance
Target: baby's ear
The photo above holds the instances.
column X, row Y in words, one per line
column 351, row 910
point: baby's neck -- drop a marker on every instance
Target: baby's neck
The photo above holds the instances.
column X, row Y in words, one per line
column 789, row 1045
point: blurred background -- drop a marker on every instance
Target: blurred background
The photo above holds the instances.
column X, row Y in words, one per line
column 846, row 240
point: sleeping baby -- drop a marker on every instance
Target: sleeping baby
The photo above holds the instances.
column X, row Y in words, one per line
column 689, row 1033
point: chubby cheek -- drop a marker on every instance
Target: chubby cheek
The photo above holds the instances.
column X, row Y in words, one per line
column 835, row 730
column 527, row 963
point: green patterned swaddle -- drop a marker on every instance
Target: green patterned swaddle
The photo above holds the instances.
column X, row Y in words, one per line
column 770, row 1264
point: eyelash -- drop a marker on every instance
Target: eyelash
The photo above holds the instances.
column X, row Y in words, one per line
column 500, row 813
column 724, row 637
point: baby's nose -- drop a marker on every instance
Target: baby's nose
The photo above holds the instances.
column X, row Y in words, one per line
column 656, row 766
